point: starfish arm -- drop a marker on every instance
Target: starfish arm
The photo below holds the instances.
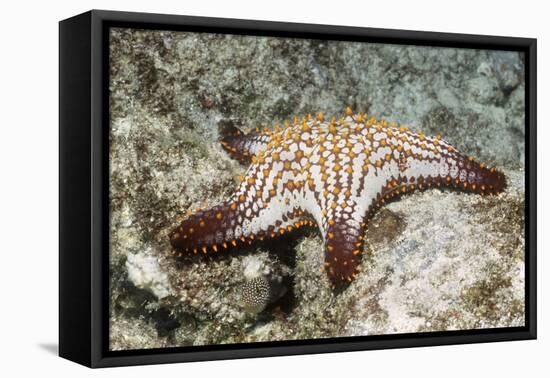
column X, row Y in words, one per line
column 241, row 146
column 254, row 211
column 207, row 230
column 461, row 172
column 402, row 162
column 344, row 240
column 434, row 161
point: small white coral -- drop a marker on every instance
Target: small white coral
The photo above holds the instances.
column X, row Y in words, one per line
column 144, row 272
column 255, row 266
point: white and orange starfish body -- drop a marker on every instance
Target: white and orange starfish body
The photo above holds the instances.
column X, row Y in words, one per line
column 333, row 174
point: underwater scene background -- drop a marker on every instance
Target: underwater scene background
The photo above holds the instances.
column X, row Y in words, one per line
column 434, row 261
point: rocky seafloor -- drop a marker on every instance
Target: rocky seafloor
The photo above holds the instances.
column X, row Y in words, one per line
column 436, row 260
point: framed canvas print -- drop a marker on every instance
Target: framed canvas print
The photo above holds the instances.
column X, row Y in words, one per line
column 233, row 188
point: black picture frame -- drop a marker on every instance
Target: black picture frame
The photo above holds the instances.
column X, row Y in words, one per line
column 83, row 195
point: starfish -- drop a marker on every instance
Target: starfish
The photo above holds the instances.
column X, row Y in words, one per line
column 332, row 174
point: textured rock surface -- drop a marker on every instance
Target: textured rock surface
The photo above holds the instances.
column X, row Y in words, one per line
column 436, row 260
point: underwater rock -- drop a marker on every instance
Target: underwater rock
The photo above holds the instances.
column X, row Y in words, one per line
column 134, row 333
